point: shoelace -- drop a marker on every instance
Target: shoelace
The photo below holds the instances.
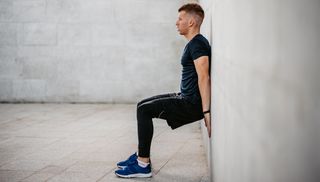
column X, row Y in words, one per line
column 130, row 167
column 132, row 162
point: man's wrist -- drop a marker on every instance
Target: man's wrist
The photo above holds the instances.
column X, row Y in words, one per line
column 206, row 112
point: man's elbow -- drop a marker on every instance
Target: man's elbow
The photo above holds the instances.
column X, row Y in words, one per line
column 203, row 79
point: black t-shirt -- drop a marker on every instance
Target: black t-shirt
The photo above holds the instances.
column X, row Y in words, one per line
column 198, row 46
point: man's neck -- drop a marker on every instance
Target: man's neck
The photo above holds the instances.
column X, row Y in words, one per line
column 192, row 34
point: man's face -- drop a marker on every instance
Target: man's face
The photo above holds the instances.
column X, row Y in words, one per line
column 183, row 23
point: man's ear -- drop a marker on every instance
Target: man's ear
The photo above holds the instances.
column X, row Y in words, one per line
column 191, row 21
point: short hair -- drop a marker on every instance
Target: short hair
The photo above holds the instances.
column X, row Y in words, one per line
column 193, row 8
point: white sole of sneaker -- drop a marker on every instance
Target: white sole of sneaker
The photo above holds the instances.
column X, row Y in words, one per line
column 121, row 167
column 138, row 175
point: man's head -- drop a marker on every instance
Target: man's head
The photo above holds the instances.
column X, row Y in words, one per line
column 190, row 17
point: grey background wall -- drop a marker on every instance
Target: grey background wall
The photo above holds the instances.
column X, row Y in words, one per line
column 88, row 51
column 265, row 85
column 265, row 88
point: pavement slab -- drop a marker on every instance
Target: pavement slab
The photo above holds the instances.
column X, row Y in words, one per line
column 83, row 142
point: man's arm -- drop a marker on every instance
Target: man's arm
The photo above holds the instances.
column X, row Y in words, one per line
column 202, row 68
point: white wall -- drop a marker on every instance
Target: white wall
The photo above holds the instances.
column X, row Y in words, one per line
column 88, row 51
column 265, row 90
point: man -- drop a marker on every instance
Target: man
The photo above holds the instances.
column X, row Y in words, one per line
column 192, row 104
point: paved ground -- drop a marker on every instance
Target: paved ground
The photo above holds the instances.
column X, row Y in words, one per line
column 83, row 142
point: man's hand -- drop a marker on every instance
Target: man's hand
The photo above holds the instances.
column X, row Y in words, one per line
column 207, row 121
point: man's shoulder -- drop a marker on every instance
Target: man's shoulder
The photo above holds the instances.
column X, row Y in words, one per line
column 199, row 40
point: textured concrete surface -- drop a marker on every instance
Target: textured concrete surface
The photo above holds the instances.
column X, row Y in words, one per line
column 64, row 142
column 81, row 51
column 265, row 90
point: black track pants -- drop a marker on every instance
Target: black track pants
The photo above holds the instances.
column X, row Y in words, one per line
column 172, row 107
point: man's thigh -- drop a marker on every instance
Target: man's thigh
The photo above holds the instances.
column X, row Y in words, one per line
column 157, row 97
column 175, row 109
column 181, row 110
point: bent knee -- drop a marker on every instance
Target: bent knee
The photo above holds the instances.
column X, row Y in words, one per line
column 144, row 107
column 141, row 102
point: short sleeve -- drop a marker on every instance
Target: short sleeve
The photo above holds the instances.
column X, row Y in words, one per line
column 198, row 48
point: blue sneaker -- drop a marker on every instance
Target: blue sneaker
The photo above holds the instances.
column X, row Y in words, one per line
column 133, row 170
column 125, row 163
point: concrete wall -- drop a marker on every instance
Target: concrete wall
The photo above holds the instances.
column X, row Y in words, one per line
column 266, row 90
column 88, row 51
